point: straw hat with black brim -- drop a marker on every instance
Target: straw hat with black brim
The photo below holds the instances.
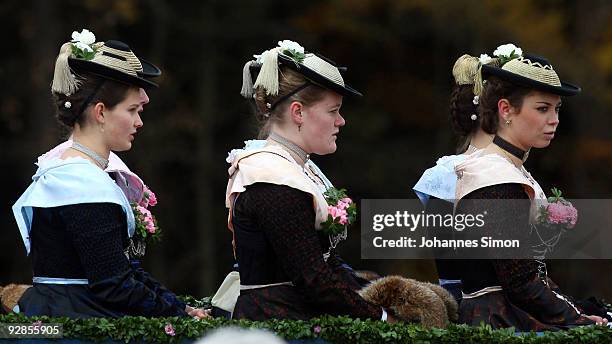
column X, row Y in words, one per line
column 317, row 70
column 321, row 71
column 115, row 61
column 534, row 72
column 111, row 60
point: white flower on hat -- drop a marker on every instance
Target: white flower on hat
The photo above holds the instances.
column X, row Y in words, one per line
column 508, row 50
column 82, row 44
column 85, row 36
column 291, row 45
column 484, row 58
column 292, row 49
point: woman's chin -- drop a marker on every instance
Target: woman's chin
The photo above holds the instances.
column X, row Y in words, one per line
column 122, row 148
column 332, row 148
column 327, row 150
column 542, row 144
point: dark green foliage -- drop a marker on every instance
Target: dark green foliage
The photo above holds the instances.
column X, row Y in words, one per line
column 332, row 329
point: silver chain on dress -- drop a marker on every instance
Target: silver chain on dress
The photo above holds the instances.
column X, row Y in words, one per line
column 95, row 156
column 290, row 145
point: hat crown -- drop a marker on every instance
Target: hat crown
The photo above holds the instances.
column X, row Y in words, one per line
column 324, row 68
column 117, row 45
column 538, row 70
column 536, row 58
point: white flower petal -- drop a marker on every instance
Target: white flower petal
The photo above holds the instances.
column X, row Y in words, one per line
column 83, row 46
column 291, row 45
column 75, row 36
column 87, row 37
column 484, row 58
column 507, row 49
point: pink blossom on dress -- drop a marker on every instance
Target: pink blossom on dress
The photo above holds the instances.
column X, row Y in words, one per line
column 152, row 198
column 333, row 211
column 169, row 329
column 342, row 205
column 559, row 213
column 347, row 200
column 143, row 211
column 150, row 225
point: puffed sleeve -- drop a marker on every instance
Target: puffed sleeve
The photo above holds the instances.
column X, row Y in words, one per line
column 288, row 219
column 97, row 230
column 519, row 277
column 141, row 275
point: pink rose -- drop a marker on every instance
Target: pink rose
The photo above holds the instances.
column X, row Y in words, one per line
column 152, row 198
column 559, row 213
column 333, row 211
column 338, row 213
column 342, row 205
column 169, row 329
column 347, row 200
column 143, row 211
column 317, row 329
column 150, row 225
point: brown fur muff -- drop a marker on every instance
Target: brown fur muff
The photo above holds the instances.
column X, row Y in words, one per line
column 412, row 301
column 10, row 295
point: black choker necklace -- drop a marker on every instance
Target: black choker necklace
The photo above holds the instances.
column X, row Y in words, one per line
column 510, row 148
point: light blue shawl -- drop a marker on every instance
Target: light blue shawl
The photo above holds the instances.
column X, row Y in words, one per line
column 439, row 181
column 60, row 182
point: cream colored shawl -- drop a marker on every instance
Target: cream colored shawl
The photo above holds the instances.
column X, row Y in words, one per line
column 271, row 164
column 482, row 169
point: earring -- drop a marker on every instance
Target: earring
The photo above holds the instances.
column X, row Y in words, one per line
column 299, row 127
column 508, row 122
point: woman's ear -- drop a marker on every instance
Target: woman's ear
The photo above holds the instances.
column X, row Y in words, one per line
column 295, row 112
column 504, row 109
column 98, row 112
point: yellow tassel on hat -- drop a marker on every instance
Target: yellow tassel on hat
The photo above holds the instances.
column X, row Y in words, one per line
column 268, row 76
column 465, row 69
column 247, row 81
column 478, row 82
column 64, row 81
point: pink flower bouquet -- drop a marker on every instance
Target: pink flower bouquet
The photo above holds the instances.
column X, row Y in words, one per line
column 146, row 224
column 341, row 211
column 558, row 212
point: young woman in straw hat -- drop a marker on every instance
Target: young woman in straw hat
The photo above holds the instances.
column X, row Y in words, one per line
column 520, row 105
column 436, row 187
column 288, row 268
column 75, row 221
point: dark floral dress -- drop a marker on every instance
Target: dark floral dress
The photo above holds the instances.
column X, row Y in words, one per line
column 87, row 241
column 276, row 242
column 527, row 301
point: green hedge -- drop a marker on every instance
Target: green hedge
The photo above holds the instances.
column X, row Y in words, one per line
column 332, row 329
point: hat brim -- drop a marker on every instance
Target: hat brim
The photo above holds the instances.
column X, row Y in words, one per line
column 317, row 78
column 566, row 89
column 149, row 70
column 80, row 65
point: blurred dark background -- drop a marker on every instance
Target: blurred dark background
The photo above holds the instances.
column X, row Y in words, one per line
column 400, row 55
